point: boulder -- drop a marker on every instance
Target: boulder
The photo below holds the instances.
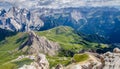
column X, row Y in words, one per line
column 116, row 50
column 59, row 66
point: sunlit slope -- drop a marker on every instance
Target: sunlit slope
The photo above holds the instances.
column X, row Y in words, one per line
column 9, row 49
column 69, row 40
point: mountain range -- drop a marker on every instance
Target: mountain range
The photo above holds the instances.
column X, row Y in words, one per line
column 103, row 21
column 59, row 34
column 62, row 42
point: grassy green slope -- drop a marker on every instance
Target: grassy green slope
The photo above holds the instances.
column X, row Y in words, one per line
column 80, row 57
column 5, row 33
column 63, row 35
column 69, row 41
column 8, row 50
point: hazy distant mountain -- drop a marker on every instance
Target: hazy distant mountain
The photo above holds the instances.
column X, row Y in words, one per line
column 89, row 16
column 104, row 21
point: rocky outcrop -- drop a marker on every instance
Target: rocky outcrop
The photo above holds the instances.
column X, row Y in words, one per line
column 116, row 50
column 86, row 65
column 91, row 63
column 112, row 60
column 36, row 44
column 39, row 63
column 59, row 66
column 109, row 60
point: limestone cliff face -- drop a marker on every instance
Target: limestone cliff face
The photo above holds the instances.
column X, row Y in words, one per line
column 36, row 44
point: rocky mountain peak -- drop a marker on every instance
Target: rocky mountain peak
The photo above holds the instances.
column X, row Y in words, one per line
column 37, row 44
column 17, row 19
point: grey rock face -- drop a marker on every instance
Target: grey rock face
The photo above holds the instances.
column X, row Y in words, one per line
column 59, row 66
column 40, row 63
column 91, row 63
column 116, row 50
column 41, row 44
column 112, row 60
column 20, row 20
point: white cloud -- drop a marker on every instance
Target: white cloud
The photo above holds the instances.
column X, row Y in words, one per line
column 62, row 3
